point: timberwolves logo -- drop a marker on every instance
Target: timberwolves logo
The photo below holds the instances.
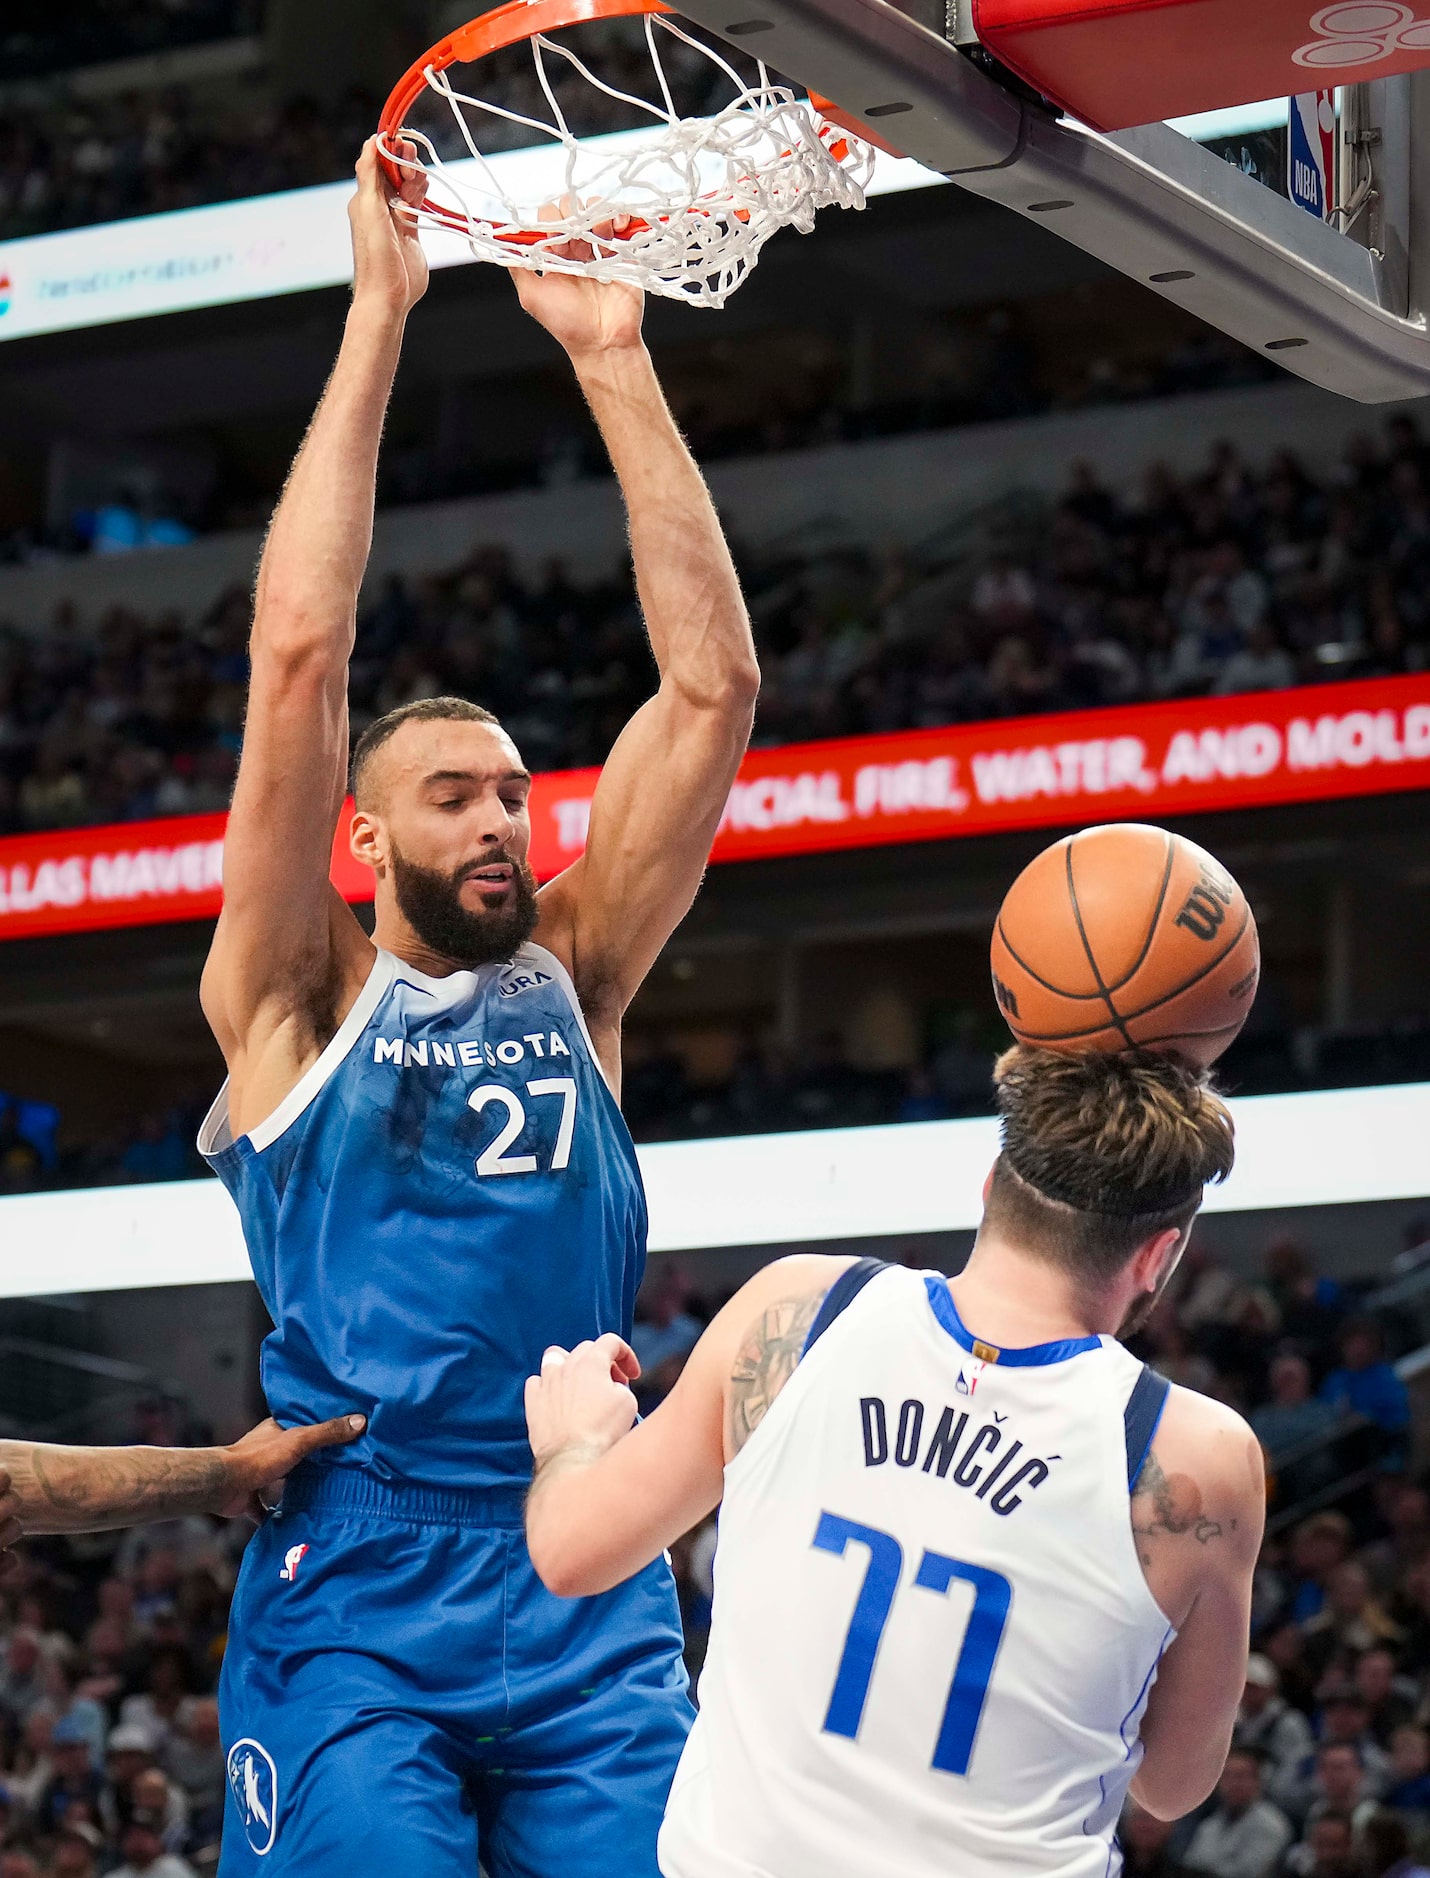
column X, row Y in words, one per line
column 254, row 1780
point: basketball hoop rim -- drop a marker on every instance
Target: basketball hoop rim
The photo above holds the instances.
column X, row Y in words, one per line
column 493, row 32
column 511, row 24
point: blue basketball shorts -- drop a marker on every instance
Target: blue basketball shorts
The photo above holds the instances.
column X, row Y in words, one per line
column 402, row 1697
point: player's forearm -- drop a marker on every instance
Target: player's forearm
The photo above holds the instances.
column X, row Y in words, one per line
column 694, row 611
column 58, row 1489
column 318, row 546
column 582, row 1541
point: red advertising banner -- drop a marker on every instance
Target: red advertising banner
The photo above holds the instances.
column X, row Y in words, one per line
column 1140, row 762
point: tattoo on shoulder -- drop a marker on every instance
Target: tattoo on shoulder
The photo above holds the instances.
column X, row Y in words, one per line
column 768, row 1358
column 1169, row 1506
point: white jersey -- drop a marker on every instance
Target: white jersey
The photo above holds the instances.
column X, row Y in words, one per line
column 932, row 1641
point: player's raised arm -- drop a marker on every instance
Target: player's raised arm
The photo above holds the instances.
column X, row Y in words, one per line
column 665, row 785
column 608, row 1497
column 288, row 956
column 1198, row 1512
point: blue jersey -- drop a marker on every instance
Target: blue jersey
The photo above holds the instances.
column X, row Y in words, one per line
column 449, row 1189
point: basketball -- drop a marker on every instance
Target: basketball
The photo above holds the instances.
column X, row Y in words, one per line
column 1126, row 937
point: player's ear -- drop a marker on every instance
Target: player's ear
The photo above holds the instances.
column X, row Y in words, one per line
column 365, row 840
column 1158, row 1259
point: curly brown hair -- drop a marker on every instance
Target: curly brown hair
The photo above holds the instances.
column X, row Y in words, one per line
column 1101, row 1153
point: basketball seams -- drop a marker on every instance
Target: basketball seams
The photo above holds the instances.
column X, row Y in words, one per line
column 1072, row 997
column 1112, row 1011
column 1190, row 984
column 1156, row 916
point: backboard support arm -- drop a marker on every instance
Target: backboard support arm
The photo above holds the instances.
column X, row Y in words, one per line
column 1343, row 312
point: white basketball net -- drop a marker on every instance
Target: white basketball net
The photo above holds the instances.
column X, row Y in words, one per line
column 704, row 194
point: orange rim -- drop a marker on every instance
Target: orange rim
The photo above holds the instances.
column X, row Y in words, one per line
column 493, row 32
column 507, row 26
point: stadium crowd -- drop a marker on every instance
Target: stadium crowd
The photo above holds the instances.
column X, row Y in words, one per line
column 37, row 39
column 71, row 161
column 1231, row 580
column 110, row 1760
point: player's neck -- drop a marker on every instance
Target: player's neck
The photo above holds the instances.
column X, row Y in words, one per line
column 1014, row 1300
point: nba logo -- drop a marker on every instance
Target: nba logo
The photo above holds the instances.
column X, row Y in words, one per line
column 966, row 1384
column 292, row 1558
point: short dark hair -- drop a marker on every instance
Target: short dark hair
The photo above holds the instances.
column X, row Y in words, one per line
column 1102, row 1153
column 419, row 711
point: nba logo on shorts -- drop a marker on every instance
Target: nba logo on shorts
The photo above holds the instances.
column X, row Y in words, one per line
column 292, row 1559
column 254, row 1781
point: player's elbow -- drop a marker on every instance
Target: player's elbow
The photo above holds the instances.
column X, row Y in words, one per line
column 297, row 641
column 1172, row 1791
column 725, row 687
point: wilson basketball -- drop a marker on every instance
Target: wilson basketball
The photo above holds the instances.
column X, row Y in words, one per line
column 1126, row 937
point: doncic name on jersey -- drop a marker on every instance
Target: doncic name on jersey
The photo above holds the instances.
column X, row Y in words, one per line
column 977, row 1451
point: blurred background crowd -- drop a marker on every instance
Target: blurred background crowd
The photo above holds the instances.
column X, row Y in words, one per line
column 1227, row 581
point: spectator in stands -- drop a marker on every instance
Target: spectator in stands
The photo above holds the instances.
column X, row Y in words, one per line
column 76, row 1851
column 1365, row 1383
column 144, row 1855
column 1319, row 1546
column 194, row 1759
column 1407, row 1544
column 1244, row 1836
column 1349, row 1622
column 1295, row 1419
column 24, row 1682
column 1267, row 1726
column 665, row 1329
column 1409, row 1786
column 1390, row 1699
column 1327, row 1851
column 1385, row 1847
column 1340, row 1787
column 1146, row 1845
column 76, row 1785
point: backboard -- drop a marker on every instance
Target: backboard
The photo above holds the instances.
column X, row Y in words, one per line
column 1341, row 303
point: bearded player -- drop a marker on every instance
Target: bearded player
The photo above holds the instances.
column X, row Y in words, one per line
column 980, row 1573
column 422, row 1135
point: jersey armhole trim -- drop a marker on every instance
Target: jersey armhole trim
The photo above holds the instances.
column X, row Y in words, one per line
column 564, row 979
column 216, row 1134
column 1142, row 1418
column 840, row 1295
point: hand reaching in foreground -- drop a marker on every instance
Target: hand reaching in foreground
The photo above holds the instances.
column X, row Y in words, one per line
column 54, row 1489
column 583, row 315
column 581, row 1401
column 260, row 1463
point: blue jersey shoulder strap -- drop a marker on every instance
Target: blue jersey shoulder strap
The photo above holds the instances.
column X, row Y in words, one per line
column 840, row 1295
column 1142, row 1417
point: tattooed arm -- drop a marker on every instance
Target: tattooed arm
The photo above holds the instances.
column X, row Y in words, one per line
column 608, row 1497
column 1198, row 1510
column 46, row 1489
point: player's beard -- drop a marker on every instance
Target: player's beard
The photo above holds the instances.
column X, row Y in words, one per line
column 431, row 903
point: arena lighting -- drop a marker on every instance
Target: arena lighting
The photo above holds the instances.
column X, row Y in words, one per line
column 1327, row 1148
column 264, row 246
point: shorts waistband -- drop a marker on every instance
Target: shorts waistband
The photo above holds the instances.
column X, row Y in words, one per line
column 315, row 1489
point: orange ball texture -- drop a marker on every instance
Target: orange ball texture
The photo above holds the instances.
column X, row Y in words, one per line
column 1126, row 937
